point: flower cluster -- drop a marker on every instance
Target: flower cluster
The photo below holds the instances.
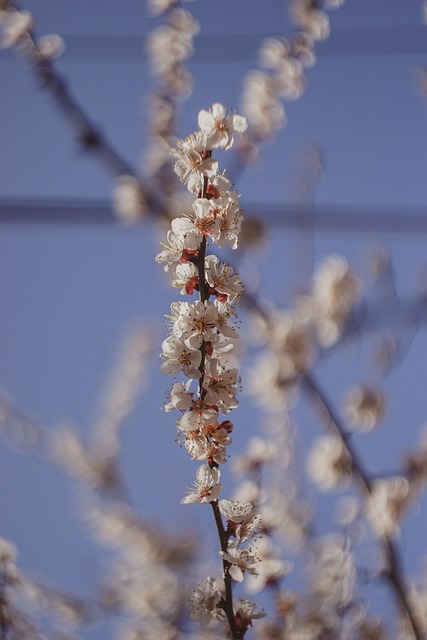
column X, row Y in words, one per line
column 284, row 63
column 202, row 337
column 15, row 31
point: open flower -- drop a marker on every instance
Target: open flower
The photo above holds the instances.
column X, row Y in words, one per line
column 204, row 602
column 219, row 127
column 241, row 561
column 206, row 486
column 177, row 356
column 226, row 284
column 192, row 161
column 195, row 323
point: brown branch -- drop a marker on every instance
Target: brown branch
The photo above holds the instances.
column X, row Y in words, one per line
column 88, row 133
column 394, row 574
column 227, row 603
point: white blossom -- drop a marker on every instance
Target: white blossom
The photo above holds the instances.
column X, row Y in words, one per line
column 246, row 611
column 219, row 127
column 192, row 161
column 177, row 356
column 230, row 219
column 220, row 385
column 181, row 397
column 207, row 486
column 171, row 254
column 235, row 510
column 226, row 284
column 241, row 561
column 204, row 602
column 185, row 276
column 196, row 323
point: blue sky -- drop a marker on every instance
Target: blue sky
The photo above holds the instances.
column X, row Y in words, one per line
column 68, row 291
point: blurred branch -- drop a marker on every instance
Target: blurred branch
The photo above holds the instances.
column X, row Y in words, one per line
column 394, row 573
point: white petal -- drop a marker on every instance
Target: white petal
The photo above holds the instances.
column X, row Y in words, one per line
column 191, row 498
column 218, row 111
column 240, row 124
column 206, row 121
column 169, row 368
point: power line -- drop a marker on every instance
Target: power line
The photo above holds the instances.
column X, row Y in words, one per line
column 325, row 218
column 242, row 47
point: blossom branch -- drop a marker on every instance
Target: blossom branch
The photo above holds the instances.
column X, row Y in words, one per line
column 394, row 574
column 227, row 602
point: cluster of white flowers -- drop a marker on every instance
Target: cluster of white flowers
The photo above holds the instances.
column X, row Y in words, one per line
column 283, row 62
column 199, row 345
column 15, row 31
column 365, row 407
column 169, row 46
column 317, row 322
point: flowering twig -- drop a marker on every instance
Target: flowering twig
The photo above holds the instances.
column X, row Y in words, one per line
column 201, row 338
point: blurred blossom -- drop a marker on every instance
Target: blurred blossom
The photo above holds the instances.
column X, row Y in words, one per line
column 312, row 21
column 365, row 407
column 270, row 567
column 127, row 379
column 386, row 349
column 14, row 28
column 260, row 104
column 272, row 51
column 20, row 429
column 157, row 7
column 287, row 515
column 157, row 629
column 50, row 46
column 379, row 260
column 128, row 200
column 292, row 340
column 335, row 291
column 418, row 600
column 170, row 45
column 273, row 379
column 329, row 464
column 248, row 491
column 268, row 389
column 68, row 450
column 302, row 46
column 348, row 509
column 333, row 4
column 371, row 629
column 333, row 571
column 386, row 505
column 8, row 555
column 416, row 461
column 258, row 453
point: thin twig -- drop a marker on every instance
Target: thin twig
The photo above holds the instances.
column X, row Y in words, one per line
column 394, row 573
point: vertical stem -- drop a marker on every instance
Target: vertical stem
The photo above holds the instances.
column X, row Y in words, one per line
column 223, row 538
column 228, row 602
